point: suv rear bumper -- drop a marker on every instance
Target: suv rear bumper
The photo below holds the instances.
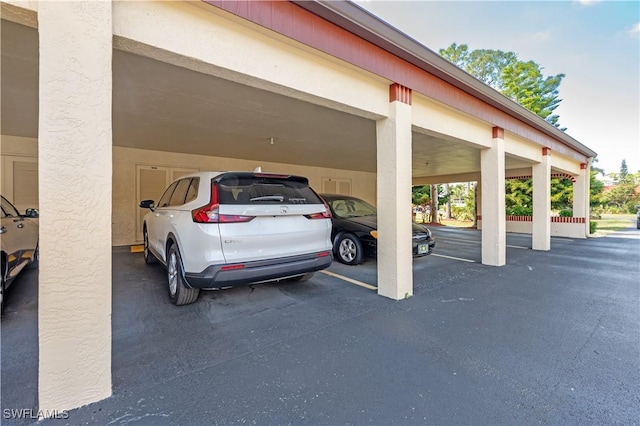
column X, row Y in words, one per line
column 233, row 274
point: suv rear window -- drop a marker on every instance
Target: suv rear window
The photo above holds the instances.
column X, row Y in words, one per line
column 262, row 188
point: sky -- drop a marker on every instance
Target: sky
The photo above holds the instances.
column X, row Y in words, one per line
column 596, row 44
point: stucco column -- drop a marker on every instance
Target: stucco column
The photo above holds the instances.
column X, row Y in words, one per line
column 581, row 189
column 395, row 263
column 541, row 173
column 494, row 236
column 74, row 154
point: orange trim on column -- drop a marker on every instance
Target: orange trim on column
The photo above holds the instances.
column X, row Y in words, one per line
column 398, row 92
column 497, row 132
column 546, row 151
column 583, row 166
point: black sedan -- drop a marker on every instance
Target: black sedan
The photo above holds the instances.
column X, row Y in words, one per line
column 355, row 230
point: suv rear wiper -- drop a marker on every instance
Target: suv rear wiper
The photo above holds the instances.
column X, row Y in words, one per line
column 278, row 198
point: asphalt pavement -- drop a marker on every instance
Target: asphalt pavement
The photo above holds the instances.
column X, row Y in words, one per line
column 551, row 338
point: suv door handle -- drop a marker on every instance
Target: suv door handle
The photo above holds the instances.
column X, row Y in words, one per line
column 20, row 225
column 3, row 230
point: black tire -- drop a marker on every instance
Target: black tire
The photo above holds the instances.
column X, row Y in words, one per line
column 302, row 278
column 178, row 292
column 149, row 258
column 36, row 257
column 348, row 249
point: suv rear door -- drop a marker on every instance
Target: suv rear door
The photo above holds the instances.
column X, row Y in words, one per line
column 275, row 216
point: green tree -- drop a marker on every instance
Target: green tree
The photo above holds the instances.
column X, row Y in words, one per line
column 519, row 197
column 561, row 194
column 420, row 195
column 624, row 172
column 623, row 197
column 521, row 81
column 524, row 83
column 596, row 186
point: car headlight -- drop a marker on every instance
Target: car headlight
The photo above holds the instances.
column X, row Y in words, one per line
column 374, row 234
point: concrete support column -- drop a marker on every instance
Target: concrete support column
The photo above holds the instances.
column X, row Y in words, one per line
column 494, row 236
column 581, row 190
column 395, row 264
column 541, row 173
column 75, row 145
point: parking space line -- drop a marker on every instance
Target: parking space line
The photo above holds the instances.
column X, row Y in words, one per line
column 350, row 280
column 453, row 258
column 458, row 240
column 478, row 242
column 518, row 247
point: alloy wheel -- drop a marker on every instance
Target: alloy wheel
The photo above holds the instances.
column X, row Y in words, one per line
column 348, row 250
column 172, row 272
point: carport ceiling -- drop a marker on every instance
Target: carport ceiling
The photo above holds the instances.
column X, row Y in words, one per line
column 162, row 107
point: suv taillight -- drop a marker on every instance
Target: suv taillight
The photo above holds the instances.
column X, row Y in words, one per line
column 322, row 215
column 210, row 213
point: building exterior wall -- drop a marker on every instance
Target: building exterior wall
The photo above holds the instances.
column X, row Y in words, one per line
column 433, row 116
column 125, row 205
column 79, row 163
column 223, row 45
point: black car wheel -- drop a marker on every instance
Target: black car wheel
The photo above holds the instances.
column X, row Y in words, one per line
column 178, row 292
column 348, row 249
column 148, row 256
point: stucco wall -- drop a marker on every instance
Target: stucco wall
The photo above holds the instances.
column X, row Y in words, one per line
column 431, row 116
column 223, row 45
column 125, row 205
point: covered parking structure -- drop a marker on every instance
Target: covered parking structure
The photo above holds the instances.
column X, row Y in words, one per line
column 110, row 99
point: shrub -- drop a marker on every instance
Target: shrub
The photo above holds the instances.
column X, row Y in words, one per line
column 592, row 227
column 566, row 213
column 518, row 210
column 462, row 213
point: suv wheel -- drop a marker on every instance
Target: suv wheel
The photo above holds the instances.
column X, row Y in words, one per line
column 178, row 292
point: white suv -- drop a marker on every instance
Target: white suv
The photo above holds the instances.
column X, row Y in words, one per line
column 221, row 229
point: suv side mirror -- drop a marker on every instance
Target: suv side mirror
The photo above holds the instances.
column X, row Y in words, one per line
column 147, row 204
column 32, row 213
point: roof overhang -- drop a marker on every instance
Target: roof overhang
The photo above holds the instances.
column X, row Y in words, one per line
column 364, row 24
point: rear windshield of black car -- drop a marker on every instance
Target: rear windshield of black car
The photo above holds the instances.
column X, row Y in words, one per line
column 264, row 189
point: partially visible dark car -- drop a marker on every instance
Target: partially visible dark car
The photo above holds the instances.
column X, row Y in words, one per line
column 638, row 217
column 355, row 230
column 19, row 238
